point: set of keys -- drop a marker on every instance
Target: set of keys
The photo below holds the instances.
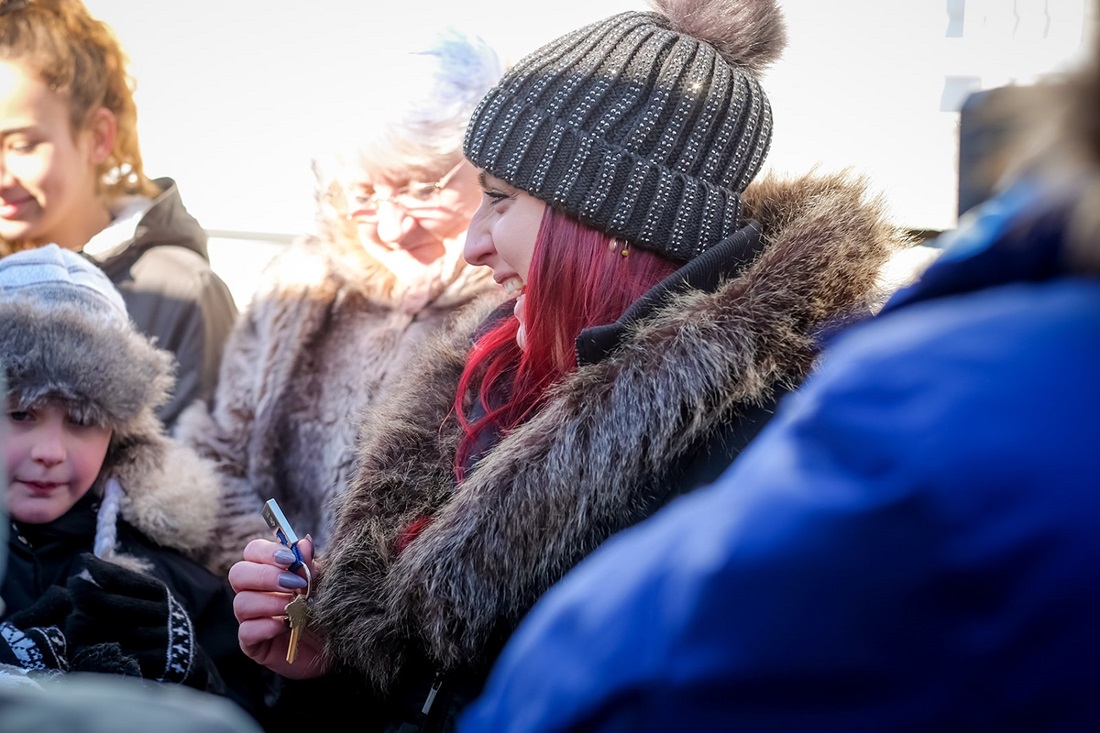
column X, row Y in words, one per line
column 297, row 611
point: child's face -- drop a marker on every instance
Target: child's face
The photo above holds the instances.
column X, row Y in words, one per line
column 51, row 462
column 47, row 175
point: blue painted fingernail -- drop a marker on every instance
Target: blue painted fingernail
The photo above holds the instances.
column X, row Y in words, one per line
column 285, row 557
column 290, row 581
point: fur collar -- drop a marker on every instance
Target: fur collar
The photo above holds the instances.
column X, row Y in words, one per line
column 555, row 488
column 167, row 492
column 315, row 269
column 295, row 306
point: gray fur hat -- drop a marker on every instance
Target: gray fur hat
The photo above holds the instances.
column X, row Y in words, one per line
column 644, row 125
column 65, row 336
column 66, row 339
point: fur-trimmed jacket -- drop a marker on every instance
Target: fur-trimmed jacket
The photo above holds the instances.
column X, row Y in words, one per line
column 328, row 330
column 163, row 531
column 153, row 507
column 659, row 403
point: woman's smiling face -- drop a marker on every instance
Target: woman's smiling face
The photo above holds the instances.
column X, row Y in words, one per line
column 503, row 231
column 502, row 237
column 47, row 171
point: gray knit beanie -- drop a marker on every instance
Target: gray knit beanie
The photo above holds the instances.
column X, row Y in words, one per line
column 646, row 126
column 51, row 274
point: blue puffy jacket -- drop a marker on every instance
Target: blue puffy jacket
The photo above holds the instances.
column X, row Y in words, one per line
column 913, row 544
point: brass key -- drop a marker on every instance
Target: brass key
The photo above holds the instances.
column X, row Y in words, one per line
column 297, row 613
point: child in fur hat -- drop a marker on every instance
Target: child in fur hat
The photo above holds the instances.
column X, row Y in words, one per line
column 110, row 518
column 86, row 703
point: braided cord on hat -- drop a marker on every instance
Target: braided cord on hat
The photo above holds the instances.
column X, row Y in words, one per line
column 106, row 523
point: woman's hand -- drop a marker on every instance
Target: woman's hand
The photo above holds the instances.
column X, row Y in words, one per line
column 264, row 587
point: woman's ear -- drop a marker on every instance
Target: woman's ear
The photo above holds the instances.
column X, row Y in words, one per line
column 103, row 127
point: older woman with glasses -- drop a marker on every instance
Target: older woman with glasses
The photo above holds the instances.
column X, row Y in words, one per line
column 337, row 315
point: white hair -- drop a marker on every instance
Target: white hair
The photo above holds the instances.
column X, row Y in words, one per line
column 420, row 108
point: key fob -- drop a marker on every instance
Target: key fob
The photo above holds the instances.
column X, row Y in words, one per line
column 284, row 533
column 279, row 523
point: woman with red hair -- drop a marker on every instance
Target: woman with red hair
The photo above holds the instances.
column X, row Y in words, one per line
column 655, row 306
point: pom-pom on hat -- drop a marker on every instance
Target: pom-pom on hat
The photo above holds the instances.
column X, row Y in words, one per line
column 644, row 125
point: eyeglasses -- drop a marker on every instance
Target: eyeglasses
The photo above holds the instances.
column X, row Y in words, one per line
column 412, row 198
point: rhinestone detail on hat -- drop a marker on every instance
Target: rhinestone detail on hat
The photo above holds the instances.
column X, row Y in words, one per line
column 642, row 132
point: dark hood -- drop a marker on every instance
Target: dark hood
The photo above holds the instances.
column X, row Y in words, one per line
column 166, row 224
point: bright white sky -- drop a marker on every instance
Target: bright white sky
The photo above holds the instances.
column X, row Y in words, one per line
column 236, row 95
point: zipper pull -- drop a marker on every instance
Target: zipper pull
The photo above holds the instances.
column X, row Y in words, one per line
column 430, row 699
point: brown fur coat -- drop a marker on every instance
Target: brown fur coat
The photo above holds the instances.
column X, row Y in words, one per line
column 324, row 335
column 558, row 486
